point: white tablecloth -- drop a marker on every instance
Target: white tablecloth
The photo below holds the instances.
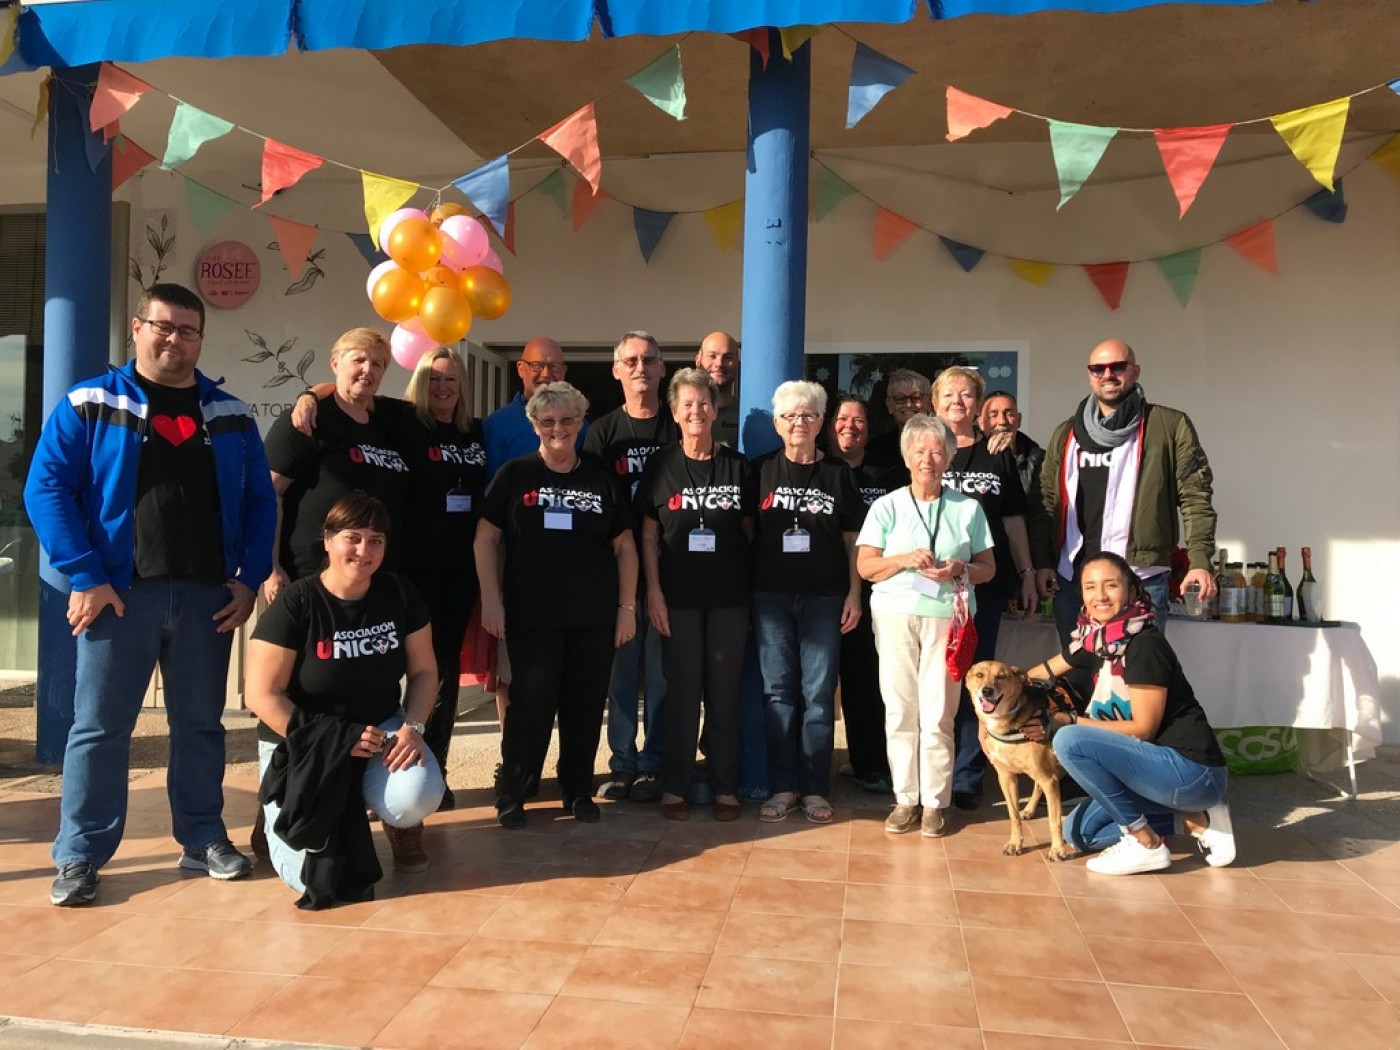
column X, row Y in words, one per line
column 1319, row 679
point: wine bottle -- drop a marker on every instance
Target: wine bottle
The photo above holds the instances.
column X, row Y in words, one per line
column 1213, row 610
column 1287, row 587
column 1273, row 591
column 1309, row 593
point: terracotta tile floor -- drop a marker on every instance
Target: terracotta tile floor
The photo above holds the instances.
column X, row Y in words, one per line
column 639, row 932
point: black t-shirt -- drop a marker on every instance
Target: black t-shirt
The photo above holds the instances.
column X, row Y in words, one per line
column 819, row 499
column 447, row 480
column 874, row 479
column 558, row 531
column 711, row 495
column 624, row 444
column 1090, row 497
column 179, row 533
column 351, row 655
column 883, row 449
column 994, row 483
column 1149, row 660
column 342, row 456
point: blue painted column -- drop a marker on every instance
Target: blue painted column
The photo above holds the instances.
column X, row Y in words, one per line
column 77, row 291
column 773, row 329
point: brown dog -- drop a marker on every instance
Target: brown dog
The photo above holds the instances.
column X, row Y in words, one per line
column 1005, row 701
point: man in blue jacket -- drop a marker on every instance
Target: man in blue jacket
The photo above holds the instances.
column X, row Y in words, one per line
column 150, row 492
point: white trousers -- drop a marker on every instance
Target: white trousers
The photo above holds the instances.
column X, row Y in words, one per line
column 921, row 699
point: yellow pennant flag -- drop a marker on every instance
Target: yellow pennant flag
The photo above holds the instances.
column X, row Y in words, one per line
column 1314, row 135
column 383, row 196
column 1035, row 272
column 42, row 109
column 9, row 25
column 724, row 222
column 1388, row 156
column 794, row 37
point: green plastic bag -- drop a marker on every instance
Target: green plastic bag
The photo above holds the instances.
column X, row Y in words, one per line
column 1251, row 750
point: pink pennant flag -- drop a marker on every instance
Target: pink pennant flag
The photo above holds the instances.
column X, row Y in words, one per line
column 127, row 159
column 283, row 166
column 117, row 91
column 1109, row 279
column 294, row 241
column 1257, row 245
column 575, row 138
column 756, row 39
column 891, row 230
column 967, row 113
column 1188, row 155
column 584, row 203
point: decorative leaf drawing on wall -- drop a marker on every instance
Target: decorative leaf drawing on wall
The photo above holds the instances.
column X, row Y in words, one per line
column 309, row 276
column 283, row 374
column 160, row 238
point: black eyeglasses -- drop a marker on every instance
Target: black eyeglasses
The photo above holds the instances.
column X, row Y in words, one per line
column 1116, row 367
column 538, row 368
column 165, row 329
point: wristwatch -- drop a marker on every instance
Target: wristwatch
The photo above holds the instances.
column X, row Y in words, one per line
column 417, row 727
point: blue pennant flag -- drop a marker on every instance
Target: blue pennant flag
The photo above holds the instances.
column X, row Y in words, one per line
column 1329, row 206
column 1394, row 85
column 364, row 244
column 650, row 225
column 488, row 188
column 966, row 255
column 95, row 147
column 873, row 76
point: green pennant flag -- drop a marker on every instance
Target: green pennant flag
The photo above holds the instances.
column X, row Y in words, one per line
column 552, row 186
column 191, row 129
column 832, row 189
column 662, row 83
column 1180, row 270
column 1078, row 149
column 206, row 206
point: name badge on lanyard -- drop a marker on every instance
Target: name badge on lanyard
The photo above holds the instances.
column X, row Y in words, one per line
column 559, row 520
column 797, row 541
column 929, row 588
column 702, row 540
column 459, row 503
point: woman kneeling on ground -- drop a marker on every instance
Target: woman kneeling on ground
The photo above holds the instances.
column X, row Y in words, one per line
column 324, row 666
column 1145, row 752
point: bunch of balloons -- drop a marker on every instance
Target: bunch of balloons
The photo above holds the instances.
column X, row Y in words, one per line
column 441, row 273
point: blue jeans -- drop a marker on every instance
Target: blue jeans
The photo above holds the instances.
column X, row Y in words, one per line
column 638, row 659
column 969, row 761
column 799, row 651
column 1131, row 784
column 401, row 799
column 170, row 623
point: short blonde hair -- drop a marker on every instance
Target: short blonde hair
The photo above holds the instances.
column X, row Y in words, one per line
column 369, row 339
column 557, row 395
column 416, row 393
column 799, row 392
column 972, row 377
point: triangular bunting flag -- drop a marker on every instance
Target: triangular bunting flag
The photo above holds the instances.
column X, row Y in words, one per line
column 967, row 113
column 117, row 91
column 832, row 189
column 283, row 166
column 1180, row 270
column 1394, row 85
column 95, row 146
column 662, row 83
column 891, row 231
column 1329, row 205
column 965, row 254
column 757, row 39
column 575, row 138
column 41, row 110
column 793, row 37
column 1388, row 156
column 206, row 206
column 294, row 241
column 1078, row 149
column 552, row 186
column 585, row 200
column 1035, row 272
column 366, row 246
column 508, row 234
column 488, row 188
column 1257, row 245
column 383, row 196
column 650, row 225
column 127, row 159
column 873, row 76
column 724, row 223
column 1188, row 155
column 1314, row 134
column 111, row 131
column 9, row 25
column 1109, row 279
column 191, row 129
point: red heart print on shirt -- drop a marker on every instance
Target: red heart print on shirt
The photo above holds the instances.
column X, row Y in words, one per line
column 175, row 429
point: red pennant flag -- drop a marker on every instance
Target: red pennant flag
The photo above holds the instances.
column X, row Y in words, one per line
column 283, row 166
column 1109, row 279
column 127, row 159
column 967, row 113
column 111, row 131
column 1188, row 155
column 890, row 232
column 117, row 91
column 1257, row 245
column 294, row 241
column 575, row 138
column 756, row 39
column 584, row 203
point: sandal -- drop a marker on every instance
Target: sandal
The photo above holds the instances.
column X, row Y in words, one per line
column 818, row 809
column 777, row 808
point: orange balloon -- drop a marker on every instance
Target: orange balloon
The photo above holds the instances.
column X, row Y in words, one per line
column 441, row 277
column 397, row 295
column 415, row 244
column 443, row 212
column 445, row 315
column 487, row 291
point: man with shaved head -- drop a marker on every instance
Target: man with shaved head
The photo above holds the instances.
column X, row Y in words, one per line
column 719, row 355
column 1116, row 475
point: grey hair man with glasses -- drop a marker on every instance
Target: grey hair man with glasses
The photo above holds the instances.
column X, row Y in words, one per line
column 150, row 492
column 906, row 396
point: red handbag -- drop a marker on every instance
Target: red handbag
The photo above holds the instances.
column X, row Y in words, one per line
column 962, row 635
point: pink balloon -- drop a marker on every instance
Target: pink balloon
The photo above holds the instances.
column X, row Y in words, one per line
column 492, row 261
column 378, row 272
column 464, row 242
column 393, row 219
column 408, row 346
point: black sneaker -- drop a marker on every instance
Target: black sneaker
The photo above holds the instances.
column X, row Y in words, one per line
column 968, row 800
column 75, row 885
column 449, row 800
column 510, row 814
column 585, row 810
column 617, row 786
column 220, row 860
column 646, row 788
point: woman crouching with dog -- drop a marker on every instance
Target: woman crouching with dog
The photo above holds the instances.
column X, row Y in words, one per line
column 1145, row 752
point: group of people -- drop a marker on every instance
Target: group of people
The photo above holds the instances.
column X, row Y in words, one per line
column 637, row 566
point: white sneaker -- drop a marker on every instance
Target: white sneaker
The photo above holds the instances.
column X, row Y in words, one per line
column 1128, row 856
column 1218, row 840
